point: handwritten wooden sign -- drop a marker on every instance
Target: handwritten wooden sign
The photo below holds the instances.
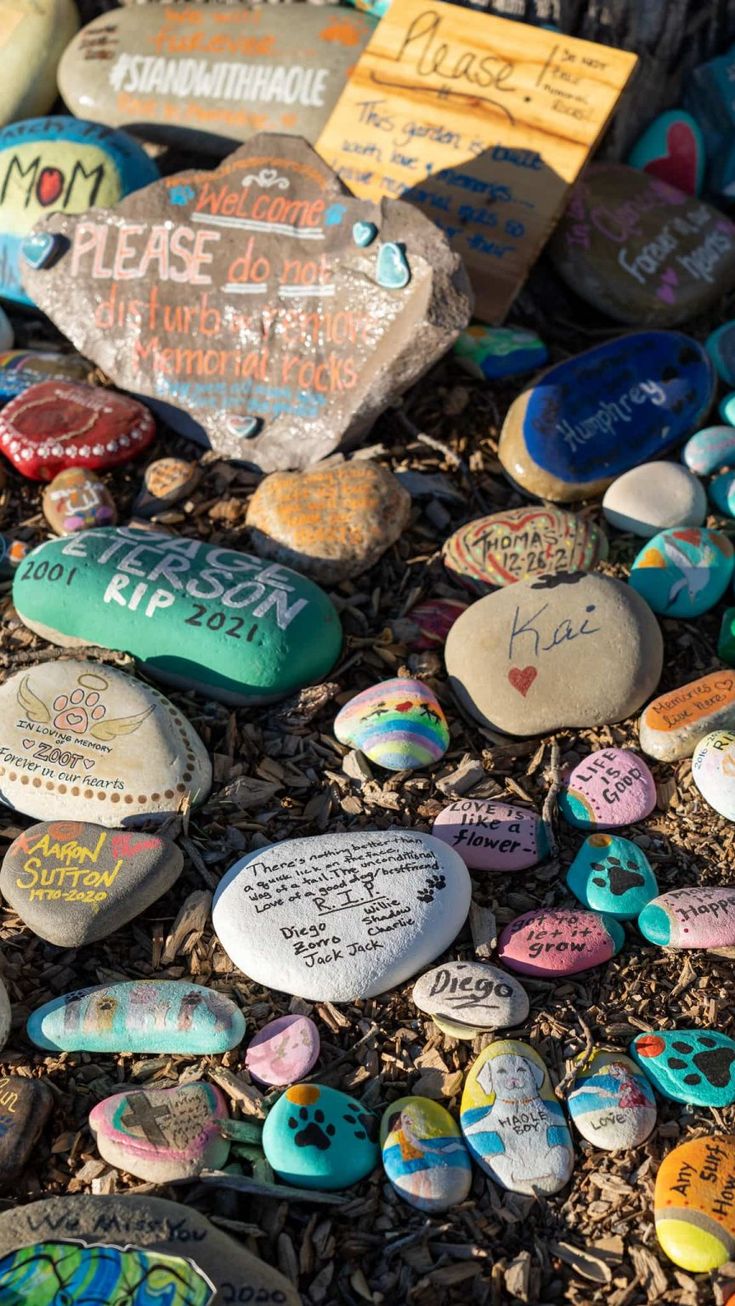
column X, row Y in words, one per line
column 481, row 122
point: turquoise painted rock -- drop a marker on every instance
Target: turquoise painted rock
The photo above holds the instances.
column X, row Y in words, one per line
column 726, row 638
column 708, row 97
column 695, row 917
column 162, row 1134
column 610, row 788
column 491, row 353
column 59, row 165
column 720, row 346
column 721, row 491
column 709, row 449
column 672, row 148
column 423, row 1154
column 713, row 771
column 683, row 572
column 318, row 1137
column 398, row 724
column 612, row 1103
column 193, row 614
column 139, row 1016
column 726, row 408
column 612, row 875
column 688, row 1065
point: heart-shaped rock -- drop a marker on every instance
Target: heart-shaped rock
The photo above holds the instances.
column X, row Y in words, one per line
column 58, row 424
column 162, row 1134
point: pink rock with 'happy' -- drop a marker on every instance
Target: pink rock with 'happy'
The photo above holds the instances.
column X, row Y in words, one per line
column 559, row 942
column 492, row 836
column 609, row 789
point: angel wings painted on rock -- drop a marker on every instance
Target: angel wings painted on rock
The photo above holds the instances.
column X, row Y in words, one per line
column 82, row 712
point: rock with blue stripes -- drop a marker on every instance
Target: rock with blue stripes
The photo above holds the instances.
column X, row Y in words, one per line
column 399, row 724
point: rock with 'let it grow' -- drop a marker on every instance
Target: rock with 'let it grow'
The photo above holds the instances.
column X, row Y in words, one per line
column 561, row 941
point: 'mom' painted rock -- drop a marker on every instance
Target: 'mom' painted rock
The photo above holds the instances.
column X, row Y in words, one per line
column 193, row 614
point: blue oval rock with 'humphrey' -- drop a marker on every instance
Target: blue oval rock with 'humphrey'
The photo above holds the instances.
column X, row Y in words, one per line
column 684, row 571
column 613, row 875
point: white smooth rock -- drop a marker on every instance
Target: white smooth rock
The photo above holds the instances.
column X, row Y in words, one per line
column 654, row 497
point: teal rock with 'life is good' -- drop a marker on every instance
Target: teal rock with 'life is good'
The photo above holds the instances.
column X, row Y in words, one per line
column 139, row 1016
column 612, row 875
column 192, row 613
column 688, row 1065
column 318, row 1137
column 683, row 572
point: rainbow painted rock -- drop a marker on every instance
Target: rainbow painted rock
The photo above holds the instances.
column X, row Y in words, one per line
column 612, row 1103
column 59, row 424
column 700, row 916
column 283, row 1051
column 713, row 771
column 673, row 724
column 694, row 1203
column 612, row 875
column 672, row 149
column 318, row 1137
column 559, row 942
column 398, row 724
column 423, row 1154
column 492, row 353
column 709, row 449
column 689, row 1065
column 521, row 544
column 21, row 368
column 492, row 836
column 77, row 500
column 434, row 618
column 162, row 1134
column 610, row 788
column 720, row 346
column 683, row 572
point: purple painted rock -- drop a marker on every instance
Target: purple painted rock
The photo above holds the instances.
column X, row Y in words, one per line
column 161, row 1134
column 434, row 619
column 284, row 1051
column 609, row 789
column 491, row 836
column 696, row 917
column 559, row 942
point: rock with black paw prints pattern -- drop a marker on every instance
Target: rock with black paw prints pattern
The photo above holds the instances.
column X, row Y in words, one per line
column 318, row 1137
column 696, row 1066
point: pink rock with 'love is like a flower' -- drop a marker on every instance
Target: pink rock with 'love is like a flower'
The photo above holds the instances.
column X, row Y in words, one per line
column 492, row 836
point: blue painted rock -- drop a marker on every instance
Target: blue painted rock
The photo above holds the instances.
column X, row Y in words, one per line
column 492, row 353
column 162, row 1134
column 713, row 771
column 471, row 993
column 283, row 1051
column 59, row 165
column 709, row 449
column 640, row 250
column 654, row 496
column 673, row 724
column 423, row 1154
column 21, row 368
column 77, row 500
column 434, row 618
column 34, row 35
column 562, row 941
column 139, row 1016
column 672, row 149
column 492, row 836
column 25, row 1105
column 688, row 1065
column 720, row 346
column 317, row 1137
column 696, row 917
column 693, row 1204
column 513, row 1124
column 194, row 614
column 610, row 788
column 522, row 544
column 612, row 1103
column 59, row 424
column 722, row 493
column 683, row 573
column 612, row 875
column 594, row 416
column 399, row 724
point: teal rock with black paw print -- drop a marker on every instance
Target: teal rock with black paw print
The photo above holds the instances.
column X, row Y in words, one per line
column 613, row 875
column 696, row 1066
column 317, row 1137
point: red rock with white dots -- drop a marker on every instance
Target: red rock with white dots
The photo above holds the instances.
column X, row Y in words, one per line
column 59, row 424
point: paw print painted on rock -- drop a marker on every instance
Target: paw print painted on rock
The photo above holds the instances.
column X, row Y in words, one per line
column 77, row 710
column 613, row 875
column 312, row 1130
column 689, row 1065
column 433, row 883
column 317, row 1137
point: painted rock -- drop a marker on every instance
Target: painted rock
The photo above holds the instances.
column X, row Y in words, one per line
column 709, row 449
column 7, row 336
column 12, row 553
column 58, row 165
column 697, row 917
column 522, row 544
column 610, row 788
column 683, row 573
column 612, row 1103
column 398, row 724
column 283, row 1051
column 472, row 993
column 689, row 1065
column 339, row 916
column 329, row 523
column 25, row 1105
column 457, row 1029
column 492, row 836
column 612, row 875
column 693, row 1203
column 672, row 149
column 493, row 353
column 512, row 1122
column 591, row 418
column 726, row 408
column 6, row 1014
column 423, row 1154
column 59, row 424
column 250, row 70
column 82, row 739
column 434, row 618
column 640, row 250
column 73, row 883
column 165, row 482
column 77, row 500
column 559, row 942
column 653, row 497
column 673, row 724
column 34, row 35
column 162, row 1134
column 721, row 491
column 713, row 771
column 317, row 1137
column 115, row 1242
column 726, row 638
column 720, row 346
column 254, row 631
column 22, row 368
column 527, row 659
column 277, row 343
column 139, row 1016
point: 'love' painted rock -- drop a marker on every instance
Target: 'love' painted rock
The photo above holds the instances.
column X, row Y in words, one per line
column 472, row 993
column 713, row 771
column 139, row 1016
column 673, row 724
column 21, row 368
column 399, row 724
column 162, row 1134
column 34, row 35
column 559, row 942
column 683, row 573
column 610, row 788
column 591, row 418
column 612, row 1103
column 720, row 346
column 696, row 917
column 672, row 149
column 493, row 353
column 434, row 618
column 192, row 613
column 283, row 1051
column 77, row 500
column 512, row 1122
column 73, row 883
column 339, row 916
column 710, row 448
column 527, row 659
column 654, row 496
column 165, row 482
column 612, row 875
column 640, row 250
column 492, row 836
column 25, row 1105
column 317, row 1137
column 520, row 545
column 423, row 1154
column 694, row 1203
column 58, row 424
column 722, row 494
column 83, row 740
column 689, row 1065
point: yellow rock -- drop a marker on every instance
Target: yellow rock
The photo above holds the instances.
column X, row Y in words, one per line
column 33, row 36
column 694, row 1203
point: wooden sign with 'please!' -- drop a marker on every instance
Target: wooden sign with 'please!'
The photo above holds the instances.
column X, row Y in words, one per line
column 481, row 122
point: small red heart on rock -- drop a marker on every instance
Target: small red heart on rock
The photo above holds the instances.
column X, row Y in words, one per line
column 49, row 186
column 521, row 678
column 679, row 165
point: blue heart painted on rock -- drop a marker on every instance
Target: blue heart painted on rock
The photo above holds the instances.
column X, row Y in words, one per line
column 393, row 272
column 241, row 425
column 334, row 215
column 364, row 233
column 42, row 248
